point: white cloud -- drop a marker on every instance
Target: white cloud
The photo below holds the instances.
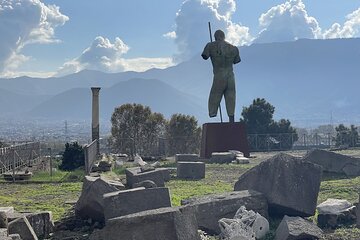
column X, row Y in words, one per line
column 192, row 25
column 25, row 22
column 105, row 56
column 287, row 22
column 170, row 35
column 351, row 27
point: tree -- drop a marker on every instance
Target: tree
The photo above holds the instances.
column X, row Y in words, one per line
column 73, row 157
column 258, row 118
column 136, row 129
column 346, row 136
column 184, row 134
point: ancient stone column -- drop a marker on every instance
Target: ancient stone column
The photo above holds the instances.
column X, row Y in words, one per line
column 95, row 116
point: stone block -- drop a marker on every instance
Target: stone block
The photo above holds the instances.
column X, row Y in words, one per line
column 3, row 220
column 290, row 184
column 334, row 162
column 334, row 212
column 3, row 233
column 14, row 237
column 145, row 184
column 135, row 200
column 42, row 223
column 222, row 157
column 242, row 160
column 11, row 216
column 165, row 172
column 134, row 175
column 22, row 227
column 186, row 157
column 90, row 203
column 210, row 208
column 297, row 228
column 190, row 170
column 7, row 209
column 159, row 224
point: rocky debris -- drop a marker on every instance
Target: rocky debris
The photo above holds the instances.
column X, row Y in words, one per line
column 147, row 168
column 90, row 203
column 27, row 224
column 210, row 208
column 135, row 200
column 244, row 225
column 334, row 162
column 232, row 229
column 259, row 224
column 145, row 184
column 135, row 175
column 186, row 158
column 290, row 184
column 190, row 170
column 3, row 233
column 164, row 223
column 222, row 157
column 14, row 237
column 42, row 223
column 3, row 220
column 104, row 166
column 139, row 161
column 335, row 212
column 297, row 228
column 22, row 227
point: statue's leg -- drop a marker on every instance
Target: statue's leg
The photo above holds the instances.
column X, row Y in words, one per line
column 230, row 97
column 215, row 96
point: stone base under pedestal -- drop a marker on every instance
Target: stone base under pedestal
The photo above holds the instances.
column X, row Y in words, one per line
column 222, row 137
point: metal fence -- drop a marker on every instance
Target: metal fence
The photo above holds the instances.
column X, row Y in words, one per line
column 287, row 141
column 257, row 142
column 91, row 155
column 19, row 156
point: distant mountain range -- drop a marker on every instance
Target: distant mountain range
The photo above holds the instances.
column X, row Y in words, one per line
column 307, row 81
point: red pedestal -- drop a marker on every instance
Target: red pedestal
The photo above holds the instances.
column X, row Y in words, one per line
column 222, row 137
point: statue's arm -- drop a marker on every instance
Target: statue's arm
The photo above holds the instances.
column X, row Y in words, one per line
column 206, row 53
column 237, row 58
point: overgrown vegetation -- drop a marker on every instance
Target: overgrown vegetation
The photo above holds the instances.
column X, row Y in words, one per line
column 258, row 118
column 346, row 136
column 73, row 157
column 183, row 134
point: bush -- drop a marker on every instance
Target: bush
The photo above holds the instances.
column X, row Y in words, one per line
column 73, row 157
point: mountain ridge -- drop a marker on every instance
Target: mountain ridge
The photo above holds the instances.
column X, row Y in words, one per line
column 306, row 80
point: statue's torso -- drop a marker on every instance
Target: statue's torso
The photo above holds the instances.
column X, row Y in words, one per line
column 222, row 56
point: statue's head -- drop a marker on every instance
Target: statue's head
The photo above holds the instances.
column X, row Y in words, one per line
column 219, row 35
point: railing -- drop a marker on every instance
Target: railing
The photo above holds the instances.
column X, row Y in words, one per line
column 19, row 156
column 91, row 155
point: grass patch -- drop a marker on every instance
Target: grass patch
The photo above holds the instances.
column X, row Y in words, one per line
column 45, row 176
column 40, row 197
column 183, row 189
column 340, row 188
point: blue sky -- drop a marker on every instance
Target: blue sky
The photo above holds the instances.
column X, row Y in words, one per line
column 45, row 38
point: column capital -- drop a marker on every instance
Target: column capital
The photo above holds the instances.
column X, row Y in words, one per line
column 95, row 90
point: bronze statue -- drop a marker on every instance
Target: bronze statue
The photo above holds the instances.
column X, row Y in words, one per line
column 223, row 55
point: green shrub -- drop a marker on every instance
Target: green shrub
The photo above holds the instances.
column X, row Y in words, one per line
column 73, row 157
